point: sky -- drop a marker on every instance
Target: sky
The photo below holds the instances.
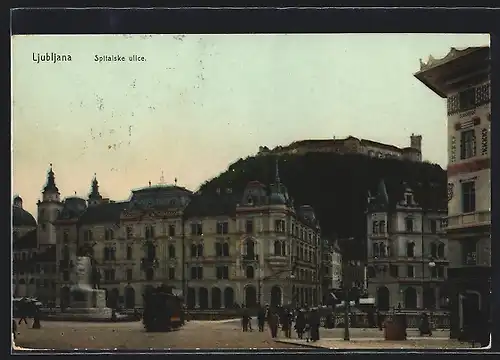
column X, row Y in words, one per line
column 200, row 102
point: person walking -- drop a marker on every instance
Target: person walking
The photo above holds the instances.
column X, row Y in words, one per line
column 244, row 320
column 261, row 318
column 23, row 311
column 315, row 324
column 300, row 323
column 273, row 324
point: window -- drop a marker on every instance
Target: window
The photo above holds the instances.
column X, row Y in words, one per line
column 467, row 144
column 468, row 197
column 434, row 273
column 171, row 251
column 222, row 227
column 434, row 253
column 410, row 249
column 440, row 271
column 469, row 252
column 382, row 227
column 171, row 230
column 129, row 231
column 409, row 199
column 280, row 226
column 409, row 225
column 87, row 235
column 376, row 250
column 65, row 275
column 249, row 272
column 440, row 251
column 197, row 229
column 109, row 274
column 129, row 252
column 130, row 274
column 65, row 236
column 393, row 271
column 225, row 249
column 249, row 227
column 108, row 234
column 222, row 272
column 433, row 226
column 171, row 273
column 218, row 249
column 149, row 232
column 197, row 273
column 410, row 271
column 466, row 99
column 452, row 104
column 370, row 272
column 375, row 227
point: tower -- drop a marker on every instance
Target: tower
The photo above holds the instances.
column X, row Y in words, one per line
column 94, row 197
column 48, row 211
column 416, row 142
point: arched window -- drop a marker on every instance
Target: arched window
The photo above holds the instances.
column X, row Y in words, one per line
column 225, row 249
column 277, row 248
column 440, row 251
column 381, row 227
column 249, row 272
column 250, row 248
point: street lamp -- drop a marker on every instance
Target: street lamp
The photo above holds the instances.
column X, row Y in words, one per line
column 432, row 265
column 347, row 304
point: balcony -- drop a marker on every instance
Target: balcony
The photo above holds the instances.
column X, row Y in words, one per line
column 250, row 257
column 478, row 218
column 277, row 260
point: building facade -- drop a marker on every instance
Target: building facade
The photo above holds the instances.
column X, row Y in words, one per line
column 463, row 78
column 331, row 277
column 351, row 144
column 407, row 252
column 219, row 249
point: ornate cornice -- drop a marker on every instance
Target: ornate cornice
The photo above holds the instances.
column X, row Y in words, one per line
column 454, row 53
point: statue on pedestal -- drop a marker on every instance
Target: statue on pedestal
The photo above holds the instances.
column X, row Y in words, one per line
column 87, row 271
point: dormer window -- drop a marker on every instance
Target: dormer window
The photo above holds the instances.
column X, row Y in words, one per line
column 408, row 199
column 249, row 200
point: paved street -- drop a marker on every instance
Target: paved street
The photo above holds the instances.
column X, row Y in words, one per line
column 205, row 334
column 196, row 334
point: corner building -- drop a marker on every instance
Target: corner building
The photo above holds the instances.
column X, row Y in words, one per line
column 221, row 249
column 463, row 78
column 404, row 237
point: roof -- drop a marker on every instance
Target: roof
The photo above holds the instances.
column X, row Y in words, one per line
column 380, row 145
column 27, row 241
column 453, row 54
column 208, row 204
column 104, row 213
column 21, row 217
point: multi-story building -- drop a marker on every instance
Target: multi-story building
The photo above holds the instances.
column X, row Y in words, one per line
column 220, row 249
column 351, row 144
column 331, row 269
column 336, row 266
column 34, row 252
column 463, row 78
column 407, row 252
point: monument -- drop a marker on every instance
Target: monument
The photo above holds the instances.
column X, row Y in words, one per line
column 87, row 301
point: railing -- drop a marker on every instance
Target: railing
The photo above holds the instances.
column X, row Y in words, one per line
column 250, row 257
column 469, row 219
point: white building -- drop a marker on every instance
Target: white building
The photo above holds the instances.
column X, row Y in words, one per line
column 462, row 77
column 336, row 261
column 407, row 254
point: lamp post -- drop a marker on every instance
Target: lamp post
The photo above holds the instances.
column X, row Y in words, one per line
column 431, row 265
column 347, row 305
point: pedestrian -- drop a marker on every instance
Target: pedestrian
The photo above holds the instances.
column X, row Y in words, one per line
column 36, row 320
column 244, row 320
column 261, row 318
column 379, row 320
column 273, row 324
column 289, row 320
column 315, row 324
column 23, row 311
column 300, row 323
column 424, row 327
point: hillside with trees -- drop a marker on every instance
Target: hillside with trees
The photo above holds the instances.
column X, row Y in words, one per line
column 337, row 186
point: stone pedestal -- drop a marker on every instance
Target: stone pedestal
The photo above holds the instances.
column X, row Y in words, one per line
column 86, row 302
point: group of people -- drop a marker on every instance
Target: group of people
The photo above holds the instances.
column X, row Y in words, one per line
column 307, row 321
column 26, row 309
